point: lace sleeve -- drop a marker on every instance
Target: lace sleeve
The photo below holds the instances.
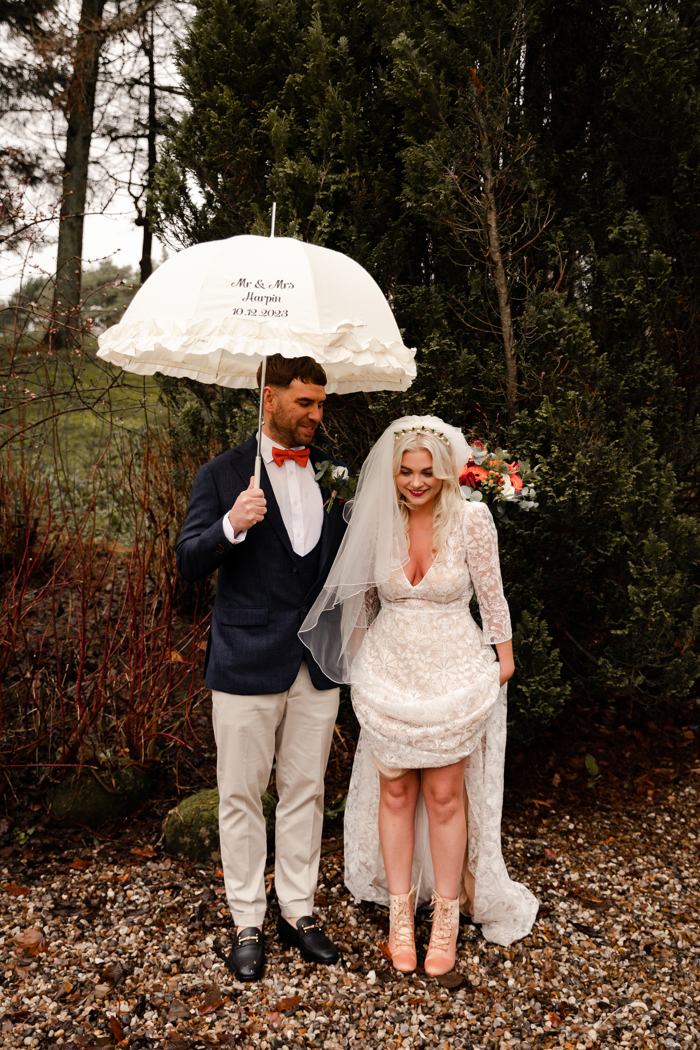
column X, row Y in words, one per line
column 481, row 540
column 369, row 610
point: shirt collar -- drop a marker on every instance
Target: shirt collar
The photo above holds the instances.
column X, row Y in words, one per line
column 267, row 445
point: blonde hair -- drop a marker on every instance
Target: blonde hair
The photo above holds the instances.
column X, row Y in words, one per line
column 449, row 499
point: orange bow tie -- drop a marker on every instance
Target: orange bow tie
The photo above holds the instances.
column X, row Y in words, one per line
column 299, row 455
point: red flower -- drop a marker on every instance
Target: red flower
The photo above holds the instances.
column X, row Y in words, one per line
column 515, row 479
column 472, row 476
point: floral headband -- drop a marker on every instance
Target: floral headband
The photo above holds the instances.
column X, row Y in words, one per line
column 424, row 430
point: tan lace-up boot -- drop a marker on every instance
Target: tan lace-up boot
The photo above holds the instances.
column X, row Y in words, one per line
column 402, row 942
column 440, row 957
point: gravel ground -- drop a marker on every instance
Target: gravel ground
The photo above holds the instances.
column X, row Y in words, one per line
column 128, row 945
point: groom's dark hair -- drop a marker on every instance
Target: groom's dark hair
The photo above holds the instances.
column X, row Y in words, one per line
column 282, row 371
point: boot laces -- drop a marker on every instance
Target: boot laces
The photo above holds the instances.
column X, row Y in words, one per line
column 442, row 924
column 402, row 921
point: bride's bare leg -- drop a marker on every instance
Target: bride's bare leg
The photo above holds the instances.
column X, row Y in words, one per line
column 443, row 790
column 397, row 810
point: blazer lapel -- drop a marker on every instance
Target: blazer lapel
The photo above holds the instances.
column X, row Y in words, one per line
column 328, row 527
column 273, row 516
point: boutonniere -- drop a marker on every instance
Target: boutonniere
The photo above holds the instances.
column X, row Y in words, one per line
column 332, row 476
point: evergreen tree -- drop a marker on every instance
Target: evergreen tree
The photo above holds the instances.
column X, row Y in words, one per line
column 404, row 133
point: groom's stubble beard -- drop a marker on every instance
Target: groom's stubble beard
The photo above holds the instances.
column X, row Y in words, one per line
column 283, row 426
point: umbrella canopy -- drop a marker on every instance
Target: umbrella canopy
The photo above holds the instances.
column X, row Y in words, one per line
column 213, row 311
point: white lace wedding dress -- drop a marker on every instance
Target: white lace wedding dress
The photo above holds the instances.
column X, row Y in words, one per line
column 425, row 688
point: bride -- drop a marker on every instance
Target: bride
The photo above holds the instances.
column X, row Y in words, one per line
column 423, row 814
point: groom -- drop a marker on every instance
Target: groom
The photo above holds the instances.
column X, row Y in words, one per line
column 273, row 548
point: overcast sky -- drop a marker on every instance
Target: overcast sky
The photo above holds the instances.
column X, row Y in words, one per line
column 38, row 127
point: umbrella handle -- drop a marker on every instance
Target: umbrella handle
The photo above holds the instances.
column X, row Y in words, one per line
column 258, row 457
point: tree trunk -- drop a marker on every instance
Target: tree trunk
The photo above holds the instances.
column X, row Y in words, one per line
column 500, row 277
column 146, row 262
column 80, row 109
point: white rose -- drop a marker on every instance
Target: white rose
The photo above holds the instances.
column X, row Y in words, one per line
column 339, row 473
column 507, row 490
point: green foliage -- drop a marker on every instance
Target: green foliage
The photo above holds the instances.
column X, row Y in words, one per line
column 536, row 693
column 367, row 123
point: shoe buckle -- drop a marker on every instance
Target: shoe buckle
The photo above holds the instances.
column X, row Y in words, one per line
column 305, row 929
column 242, row 939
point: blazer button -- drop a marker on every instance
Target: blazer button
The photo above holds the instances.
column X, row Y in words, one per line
column 295, row 569
column 304, row 609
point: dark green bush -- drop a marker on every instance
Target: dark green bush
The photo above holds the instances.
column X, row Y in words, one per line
column 358, row 119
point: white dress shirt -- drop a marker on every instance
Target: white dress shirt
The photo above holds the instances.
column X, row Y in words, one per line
column 298, row 497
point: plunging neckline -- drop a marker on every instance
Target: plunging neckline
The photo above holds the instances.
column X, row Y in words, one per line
column 414, row 585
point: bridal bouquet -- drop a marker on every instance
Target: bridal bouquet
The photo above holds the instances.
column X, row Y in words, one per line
column 488, row 476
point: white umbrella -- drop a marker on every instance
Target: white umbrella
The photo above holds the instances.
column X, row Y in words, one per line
column 215, row 311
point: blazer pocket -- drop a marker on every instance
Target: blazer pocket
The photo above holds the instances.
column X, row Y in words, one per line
column 241, row 617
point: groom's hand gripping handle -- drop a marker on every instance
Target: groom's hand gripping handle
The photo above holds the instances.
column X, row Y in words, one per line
column 249, row 508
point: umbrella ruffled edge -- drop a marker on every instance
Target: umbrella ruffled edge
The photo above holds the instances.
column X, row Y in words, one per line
column 352, row 363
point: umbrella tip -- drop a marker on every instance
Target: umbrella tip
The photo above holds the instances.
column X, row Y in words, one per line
column 274, row 215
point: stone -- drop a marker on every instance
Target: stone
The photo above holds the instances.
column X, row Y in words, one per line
column 191, row 829
column 91, row 799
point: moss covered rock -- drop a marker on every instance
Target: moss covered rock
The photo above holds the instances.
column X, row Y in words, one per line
column 92, row 799
column 192, row 828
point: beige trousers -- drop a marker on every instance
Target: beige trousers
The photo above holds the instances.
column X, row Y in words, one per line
column 296, row 728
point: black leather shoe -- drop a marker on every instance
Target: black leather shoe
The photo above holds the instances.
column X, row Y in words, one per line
column 309, row 938
column 247, row 958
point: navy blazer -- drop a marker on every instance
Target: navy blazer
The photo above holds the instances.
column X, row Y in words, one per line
column 262, row 596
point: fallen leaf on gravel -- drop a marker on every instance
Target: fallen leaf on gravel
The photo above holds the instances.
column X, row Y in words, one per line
column 588, row 930
column 32, row 941
column 274, row 1018
column 384, row 949
column 212, row 994
column 210, row 1008
column 451, row 980
column 78, row 864
column 15, row 890
column 178, row 1011
column 596, row 904
column 555, row 1019
column 117, row 1030
column 143, row 851
column 116, row 973
column 549, row 854
column 102, row 990
column 67, row 909
column 5, row 824
column 290, row 1003
column 176, row 1044
column 62, row 990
